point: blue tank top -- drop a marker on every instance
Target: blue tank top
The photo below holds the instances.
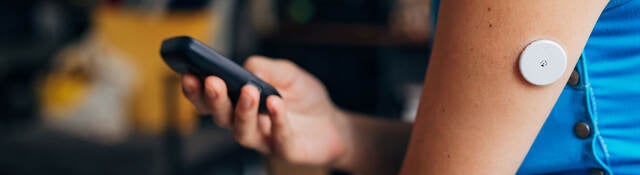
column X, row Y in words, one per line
column 594, row 127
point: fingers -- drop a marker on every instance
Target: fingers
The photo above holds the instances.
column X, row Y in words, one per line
column 193, row 91
column 246, row 128
column 264, row 124
column 277, row 111
column 280, row 127
column 218, row 101
column 250, row 129
column 277, row 72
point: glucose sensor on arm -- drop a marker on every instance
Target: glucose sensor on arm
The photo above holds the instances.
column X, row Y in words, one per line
column 542, row 62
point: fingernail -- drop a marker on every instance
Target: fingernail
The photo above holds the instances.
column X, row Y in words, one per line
column 211, row 93
column 274, row 103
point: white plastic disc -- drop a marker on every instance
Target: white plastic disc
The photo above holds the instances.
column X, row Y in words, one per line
column 543, row 62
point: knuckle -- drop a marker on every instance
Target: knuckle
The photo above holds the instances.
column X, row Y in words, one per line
column 209, row 91
column 194, row 99
column 252, row 60
column 221, row 108
column 243, row 139
column 288, row 65
column 240, row 118
column 286, row 62
column 280, row 136
column 188, row 90
column 291, row 157
column 213, row 100
column 211, row 105
column 191, row 97
column 202, row 110
column 221, row 121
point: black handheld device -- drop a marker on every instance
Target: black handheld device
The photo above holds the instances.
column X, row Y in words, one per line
column 187, row 55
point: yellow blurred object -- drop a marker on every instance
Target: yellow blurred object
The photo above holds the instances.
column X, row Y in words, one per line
column 87, row 91
column 139, row 35
column 157, row 90
column 64, row 90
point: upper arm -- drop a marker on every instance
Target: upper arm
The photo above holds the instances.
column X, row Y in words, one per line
column 477, row 114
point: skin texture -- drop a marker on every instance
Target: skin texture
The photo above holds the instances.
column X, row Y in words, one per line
column 304, row 127
column 301, row 129
column 477, row 114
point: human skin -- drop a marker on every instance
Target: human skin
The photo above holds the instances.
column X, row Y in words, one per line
column 309, row 130
column 477, row 114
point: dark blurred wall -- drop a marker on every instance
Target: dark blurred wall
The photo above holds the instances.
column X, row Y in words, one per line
column 335, row 11
column 347, row 44
column 32, row 32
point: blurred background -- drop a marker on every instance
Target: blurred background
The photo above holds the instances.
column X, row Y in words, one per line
column 83, row 89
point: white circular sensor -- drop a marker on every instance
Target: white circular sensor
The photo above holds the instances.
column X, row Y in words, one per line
column 543, row 62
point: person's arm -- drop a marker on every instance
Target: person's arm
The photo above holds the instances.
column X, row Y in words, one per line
column 477, row 114
column 303, row 127
column 373, row 145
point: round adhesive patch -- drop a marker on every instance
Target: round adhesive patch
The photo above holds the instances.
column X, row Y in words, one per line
column 543, row 62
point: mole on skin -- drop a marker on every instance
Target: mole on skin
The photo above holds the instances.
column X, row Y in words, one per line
column 488, row 10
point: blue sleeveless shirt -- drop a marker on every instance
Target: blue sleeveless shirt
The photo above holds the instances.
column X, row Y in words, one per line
column 594, row 127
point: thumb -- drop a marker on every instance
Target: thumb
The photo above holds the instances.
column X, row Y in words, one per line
column 277, row 72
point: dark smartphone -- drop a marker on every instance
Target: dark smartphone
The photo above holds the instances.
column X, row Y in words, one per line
column 186, row 55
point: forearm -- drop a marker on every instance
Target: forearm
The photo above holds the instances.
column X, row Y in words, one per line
column 373, row 145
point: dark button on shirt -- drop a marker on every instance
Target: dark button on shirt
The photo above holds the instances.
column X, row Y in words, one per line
column 597, row 171
column 574, row 79
column 582, row 130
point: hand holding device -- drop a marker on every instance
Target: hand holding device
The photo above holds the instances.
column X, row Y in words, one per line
column 187, row 55
column 304, row 128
